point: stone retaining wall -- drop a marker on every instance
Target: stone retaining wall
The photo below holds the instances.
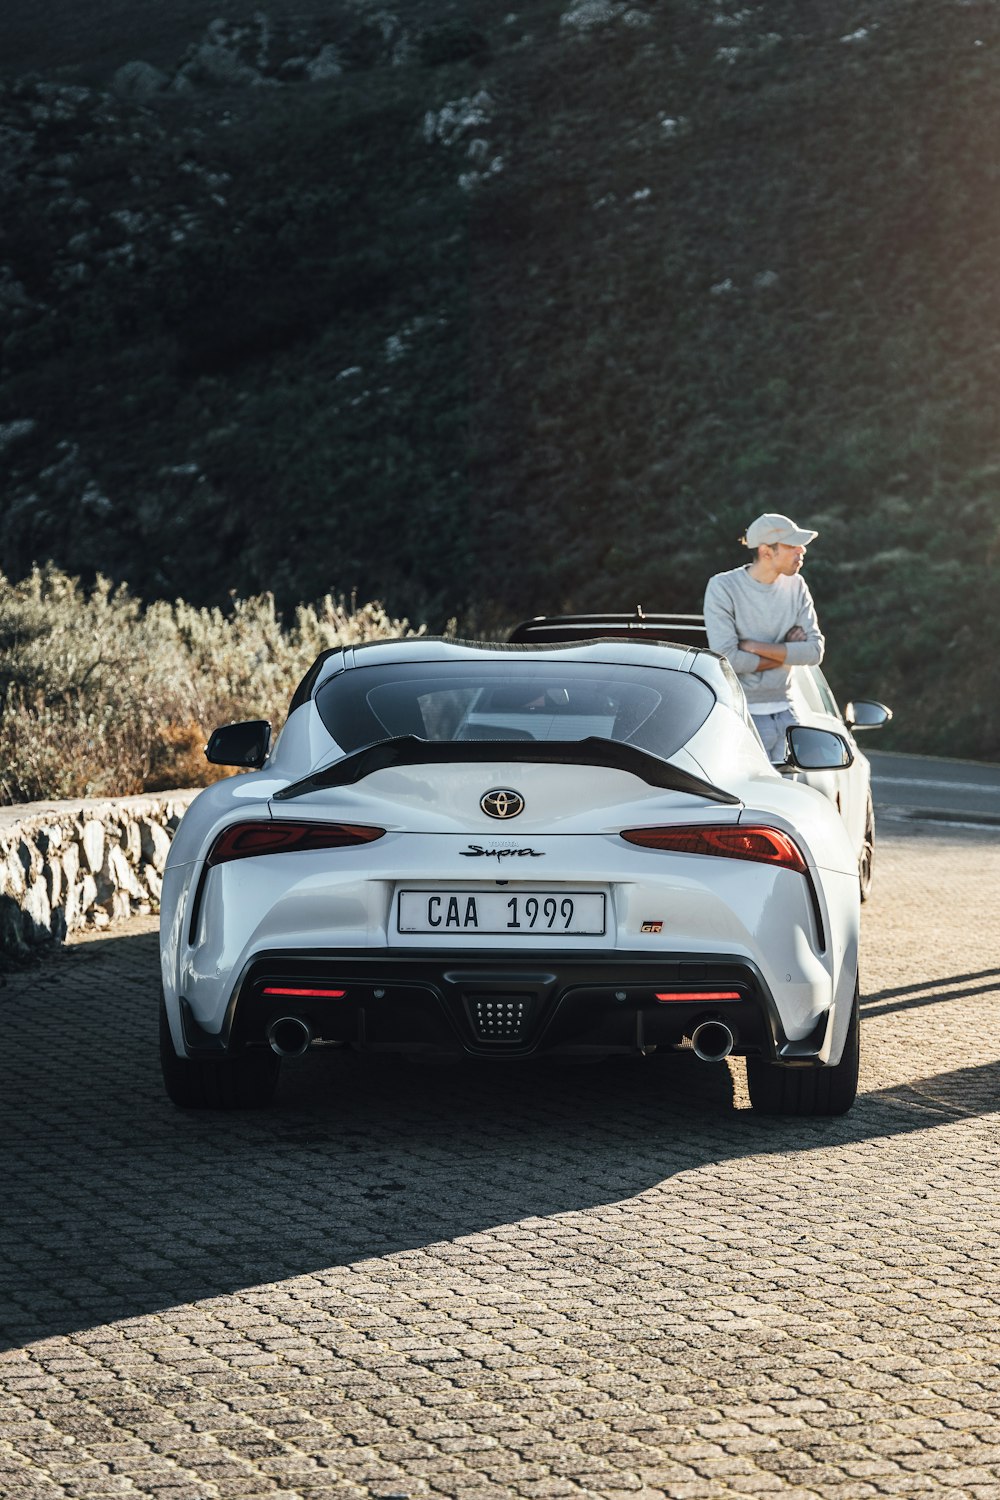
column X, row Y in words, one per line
column 66, row 865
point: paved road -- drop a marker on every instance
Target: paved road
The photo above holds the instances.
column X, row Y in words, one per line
column 600, row 1281
column 933, row 789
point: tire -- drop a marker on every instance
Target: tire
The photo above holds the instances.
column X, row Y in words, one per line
column 866, row 863
column 247, row 1081
column 777, row 1090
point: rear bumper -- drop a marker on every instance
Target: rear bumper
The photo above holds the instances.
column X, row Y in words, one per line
column 492, row 1005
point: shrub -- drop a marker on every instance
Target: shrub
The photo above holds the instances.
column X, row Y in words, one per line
column 454, row 42
column 101, row 696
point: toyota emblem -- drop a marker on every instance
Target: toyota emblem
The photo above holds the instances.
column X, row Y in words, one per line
column 501, row 802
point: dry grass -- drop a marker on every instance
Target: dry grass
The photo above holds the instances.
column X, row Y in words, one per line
column 101, row 696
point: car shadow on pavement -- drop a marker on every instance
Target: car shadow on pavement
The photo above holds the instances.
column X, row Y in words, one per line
column 117, row 1205
column 931, row 992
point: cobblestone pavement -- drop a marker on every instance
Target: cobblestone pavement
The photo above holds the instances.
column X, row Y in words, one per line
column 605, row 1280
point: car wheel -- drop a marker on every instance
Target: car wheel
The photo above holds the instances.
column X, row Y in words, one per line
column 247, row 1081
column 777, row 1090
column 866, row 863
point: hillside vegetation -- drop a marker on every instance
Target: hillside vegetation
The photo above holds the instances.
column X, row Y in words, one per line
column 491, row 314
column 102, row 697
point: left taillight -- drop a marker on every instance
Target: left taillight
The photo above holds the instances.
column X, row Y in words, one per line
column 763, row 845
column 248, row 840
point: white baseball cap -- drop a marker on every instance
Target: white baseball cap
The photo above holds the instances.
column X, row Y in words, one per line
column 770, row 529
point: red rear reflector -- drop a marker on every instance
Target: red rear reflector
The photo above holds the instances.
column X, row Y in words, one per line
column 246, row 840
column 700, row 995
column 763, row 845
column 280, row 989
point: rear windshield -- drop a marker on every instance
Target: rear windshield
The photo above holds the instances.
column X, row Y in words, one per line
column 653, row 708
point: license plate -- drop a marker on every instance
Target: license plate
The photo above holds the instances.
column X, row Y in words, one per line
column 503, row 913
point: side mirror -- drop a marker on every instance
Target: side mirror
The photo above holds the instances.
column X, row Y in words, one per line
column 866, row 715
column 811, row 749
column 244, row 745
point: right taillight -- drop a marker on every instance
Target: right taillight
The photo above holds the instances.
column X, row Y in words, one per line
column 248, row 840
column 763, row 845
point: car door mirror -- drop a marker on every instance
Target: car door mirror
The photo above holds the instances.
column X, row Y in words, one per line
column 811, row 749
column 866, row 715
column 244, row 745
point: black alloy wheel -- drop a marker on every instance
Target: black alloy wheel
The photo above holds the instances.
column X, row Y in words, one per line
column 778, row 1090
column 246, row 1081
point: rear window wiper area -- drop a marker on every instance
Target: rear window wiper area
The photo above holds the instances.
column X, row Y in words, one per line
column 409, row 750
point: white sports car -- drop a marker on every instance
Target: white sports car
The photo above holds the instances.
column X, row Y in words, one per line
column 498, row 851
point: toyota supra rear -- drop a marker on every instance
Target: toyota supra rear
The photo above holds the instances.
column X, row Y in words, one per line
column 486, row 851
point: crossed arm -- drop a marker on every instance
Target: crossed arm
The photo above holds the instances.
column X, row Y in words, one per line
column 803, row 643
column 772, row 653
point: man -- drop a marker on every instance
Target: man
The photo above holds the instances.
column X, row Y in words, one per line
column 761, row 617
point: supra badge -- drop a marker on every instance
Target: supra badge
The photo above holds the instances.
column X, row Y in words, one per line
column 476, row 851
column 502, row 802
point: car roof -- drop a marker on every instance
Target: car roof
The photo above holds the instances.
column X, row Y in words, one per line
column 652, row 653
column 622, row 650
column 638, row 626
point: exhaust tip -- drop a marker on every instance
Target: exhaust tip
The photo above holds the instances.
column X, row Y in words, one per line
column 289, row 1036
column 712, row 1041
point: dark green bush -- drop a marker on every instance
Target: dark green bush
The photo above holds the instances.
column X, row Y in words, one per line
column 454, row 42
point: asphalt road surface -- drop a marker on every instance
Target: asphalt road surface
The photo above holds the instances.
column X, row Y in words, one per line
column 600, row 1281
column 937, row 790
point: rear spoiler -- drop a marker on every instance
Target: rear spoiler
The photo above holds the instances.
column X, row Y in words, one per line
column 409, row 750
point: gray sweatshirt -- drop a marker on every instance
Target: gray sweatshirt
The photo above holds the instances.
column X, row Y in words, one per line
column 738, row 608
